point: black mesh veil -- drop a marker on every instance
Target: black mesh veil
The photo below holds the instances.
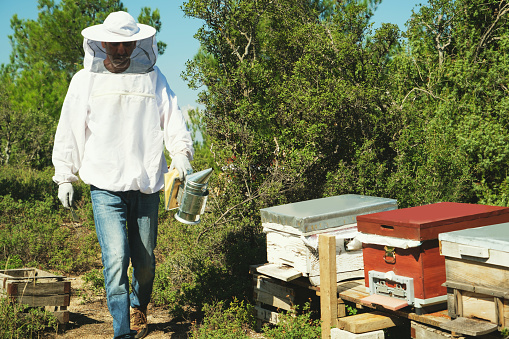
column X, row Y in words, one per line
column 143, row 58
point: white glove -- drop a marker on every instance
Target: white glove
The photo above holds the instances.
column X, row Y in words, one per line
column 181, row 163
column 65, row 193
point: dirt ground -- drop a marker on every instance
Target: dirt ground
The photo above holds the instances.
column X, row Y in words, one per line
column 89, row 318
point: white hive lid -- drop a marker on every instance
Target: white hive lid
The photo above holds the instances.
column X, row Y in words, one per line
column 319, row 214
column 493, row 237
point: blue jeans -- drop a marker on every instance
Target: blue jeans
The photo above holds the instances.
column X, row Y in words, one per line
column 126, row 227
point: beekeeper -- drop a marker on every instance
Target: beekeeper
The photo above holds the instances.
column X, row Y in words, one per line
column 117, row 112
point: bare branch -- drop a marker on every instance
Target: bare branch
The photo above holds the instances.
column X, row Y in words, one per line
column 246, row 49
column 216, row 223
column 331, row 39
column 418, row 69
column 439, row 36
column 276, row 153
column 501, row 12
column 418, row 89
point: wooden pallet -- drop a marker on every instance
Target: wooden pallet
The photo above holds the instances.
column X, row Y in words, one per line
column 37, row 288
column 271, row 297
column 476, row 313
column 422, row 331
column 274, row 297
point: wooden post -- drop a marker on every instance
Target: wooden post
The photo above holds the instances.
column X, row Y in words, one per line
column 458, row 303
column 499, row 311
column 341, row 308
column 328, row 283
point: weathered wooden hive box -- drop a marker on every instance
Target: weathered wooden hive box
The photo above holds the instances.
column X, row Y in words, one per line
column 37, row 288
column 402, row 261
column 477, row 273
column 292, row 234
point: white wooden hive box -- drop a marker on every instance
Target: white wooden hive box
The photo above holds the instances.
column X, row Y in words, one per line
column 477, row 274
column 293, row 229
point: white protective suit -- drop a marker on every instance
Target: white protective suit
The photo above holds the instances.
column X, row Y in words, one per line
column 112, row 125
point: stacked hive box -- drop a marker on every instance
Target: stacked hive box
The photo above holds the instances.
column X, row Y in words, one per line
column 402, row 261
column 477, row 275
column 292, row 235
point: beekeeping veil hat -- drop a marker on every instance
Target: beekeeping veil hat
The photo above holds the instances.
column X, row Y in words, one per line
column 120, row 27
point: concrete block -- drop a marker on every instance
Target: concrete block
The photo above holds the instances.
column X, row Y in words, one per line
column 337, row 333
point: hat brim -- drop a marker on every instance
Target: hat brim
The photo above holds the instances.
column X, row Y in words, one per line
column 99, row 33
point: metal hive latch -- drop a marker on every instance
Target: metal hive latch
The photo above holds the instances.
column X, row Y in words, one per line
column 391, row 285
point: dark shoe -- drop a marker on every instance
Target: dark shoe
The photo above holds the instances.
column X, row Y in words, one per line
column 127, row 336
column 139, row 322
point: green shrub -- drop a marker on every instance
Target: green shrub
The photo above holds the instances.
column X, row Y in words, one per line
column 295, row 326
column 220, row 321
column 199, row 264
column 36, row 231
column 95, row 279
column 351, row 309
column 18, row 321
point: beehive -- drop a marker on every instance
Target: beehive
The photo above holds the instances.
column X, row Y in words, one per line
column 292, row 233
column 401, row 253
column 477, row 273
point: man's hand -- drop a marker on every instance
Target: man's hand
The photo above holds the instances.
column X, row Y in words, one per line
column 65, row 193
column 181, row 163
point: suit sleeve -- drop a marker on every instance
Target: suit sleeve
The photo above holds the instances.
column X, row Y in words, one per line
column 177, row 137
column 71, row 130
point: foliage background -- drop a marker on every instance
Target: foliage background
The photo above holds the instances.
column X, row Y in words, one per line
column 302, row 100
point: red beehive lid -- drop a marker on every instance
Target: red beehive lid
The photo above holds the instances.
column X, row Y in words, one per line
column 427, row 221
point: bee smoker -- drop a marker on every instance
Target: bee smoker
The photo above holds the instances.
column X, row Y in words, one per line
column 190, row 196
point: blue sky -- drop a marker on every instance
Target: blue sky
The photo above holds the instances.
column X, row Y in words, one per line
column 177, row 31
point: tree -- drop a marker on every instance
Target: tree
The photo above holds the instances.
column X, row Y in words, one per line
column 26, row 137
column 293, row 90
column 303, row 100
column 451, row 95
column 289, row 95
